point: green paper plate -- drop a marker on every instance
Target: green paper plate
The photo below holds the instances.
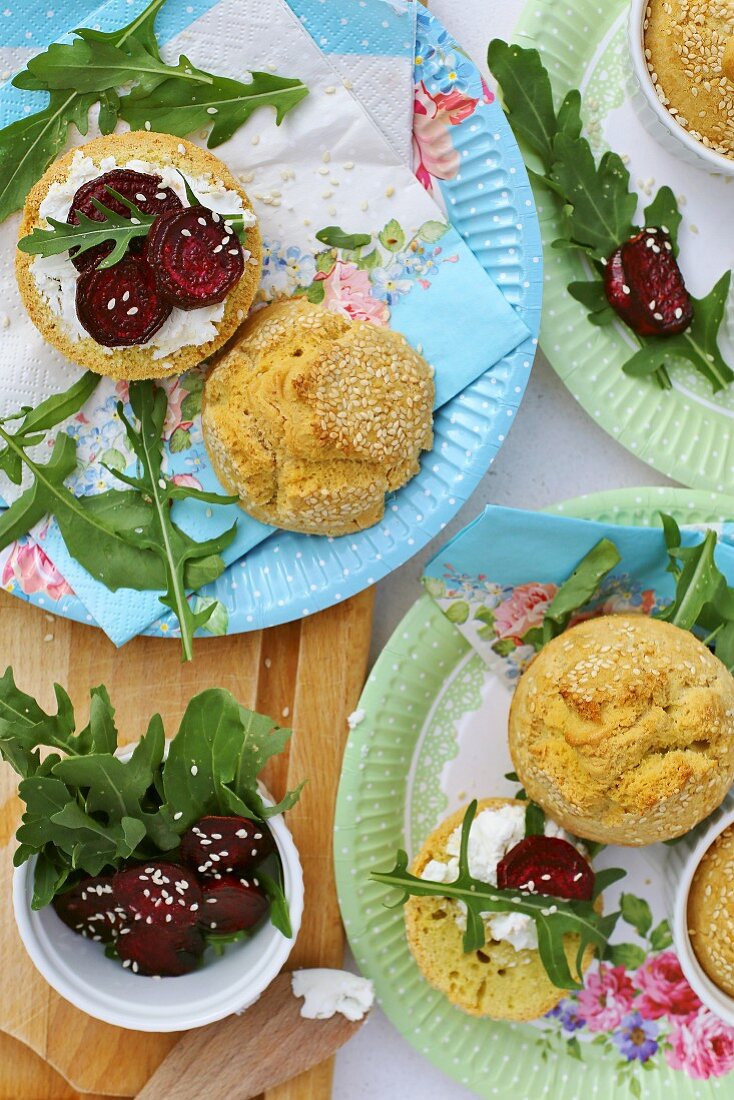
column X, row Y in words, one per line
column 428, row 694
column 687, row 432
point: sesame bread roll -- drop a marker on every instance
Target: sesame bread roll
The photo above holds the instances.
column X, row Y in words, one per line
column 622, row 729
column 710, row 909
column 312, row 418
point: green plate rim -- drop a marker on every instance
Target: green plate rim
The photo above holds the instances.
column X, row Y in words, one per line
column 370, row 817
column 669, row 430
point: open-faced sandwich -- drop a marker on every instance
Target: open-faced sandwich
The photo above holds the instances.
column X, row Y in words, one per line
column 139, row 255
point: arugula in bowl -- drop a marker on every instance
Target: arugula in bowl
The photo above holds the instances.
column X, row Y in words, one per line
column 156, row 853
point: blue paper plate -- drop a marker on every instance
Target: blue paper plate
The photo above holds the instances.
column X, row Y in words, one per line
column 491, row 204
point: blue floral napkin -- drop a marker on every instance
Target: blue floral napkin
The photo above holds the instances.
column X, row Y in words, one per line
column 495, row 579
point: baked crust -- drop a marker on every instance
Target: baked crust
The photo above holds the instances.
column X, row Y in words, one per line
column 498, row 981
column 710, row 908
column 134, row 362
column 311, row 418
column 622, row 729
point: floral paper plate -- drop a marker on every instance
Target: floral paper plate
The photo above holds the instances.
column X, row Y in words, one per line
column 686, row 432
column 429, row 735
column 466, row 154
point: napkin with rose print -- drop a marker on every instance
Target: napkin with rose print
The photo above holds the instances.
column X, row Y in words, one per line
column 496, row 578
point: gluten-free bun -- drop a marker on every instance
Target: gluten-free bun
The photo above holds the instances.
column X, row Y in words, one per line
column 311, row 418
column 622, row 729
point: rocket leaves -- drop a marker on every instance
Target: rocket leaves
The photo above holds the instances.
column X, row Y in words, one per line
column 91, row 810
column 223, row 103
column 99, row 67
column 575, row 592
column 597, row 214
column 125, row 538
column 89, row 233
column 554, row 917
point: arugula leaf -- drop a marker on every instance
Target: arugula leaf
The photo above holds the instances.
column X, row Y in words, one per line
column 598, row 213
column 528, row 97
column 279, row 914
column 125, row 539
column 575, row 592
column 30, row 144
column 663, row 212
column 602, row 207
column 93, row 68
column 534, row 820
column 164, row 538
column 36, row 502
column 554, row 917
column 226, row 103
column 89, row 233
column 204, row 749
column 335, row 237
column 698, row 345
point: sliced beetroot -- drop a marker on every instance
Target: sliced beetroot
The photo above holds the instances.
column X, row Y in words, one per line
column 146, row 191
column 196, row 258
column 91, row 909
column 167, row 952
column 645, row 286
column 546, row 865
column 217, row 845
column 159, row 895
column 232, row 904
column 120, row 306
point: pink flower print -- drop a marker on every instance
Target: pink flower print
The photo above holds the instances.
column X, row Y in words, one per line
column 122, row 391
column 524, row 609
column 187, row 480
column 455, row 105
column 34, row 572
column 433, row 152
column 487, row 93
column 702, row 1046
column 176, row 394
column 664, row 990
column 347, row 290
column 606, row 998
column 648, row 601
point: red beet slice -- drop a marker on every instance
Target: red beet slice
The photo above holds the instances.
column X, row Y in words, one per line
column 156, row 951
column 546, row 865
column 217, row 845
column 146, row 191
column 91, row 909
column 645, row 286
column 120, row 306
column 159, row 895
column 232, row 904
column 196, row 259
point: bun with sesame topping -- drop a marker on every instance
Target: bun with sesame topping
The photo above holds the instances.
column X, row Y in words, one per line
column 710, row 908
column 312, row 418
column 622, row 729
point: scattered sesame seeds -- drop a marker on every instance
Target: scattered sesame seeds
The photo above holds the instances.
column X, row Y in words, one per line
column 194, row 769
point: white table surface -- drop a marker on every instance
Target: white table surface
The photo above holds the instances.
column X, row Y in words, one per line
column 379, row 1062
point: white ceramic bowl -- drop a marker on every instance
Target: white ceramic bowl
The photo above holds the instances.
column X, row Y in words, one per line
column 78, row 969
column 656, row 118
column 682, row 860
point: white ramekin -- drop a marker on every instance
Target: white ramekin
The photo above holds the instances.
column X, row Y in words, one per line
column 655, row 117
column 80, row 972
column 682, row 860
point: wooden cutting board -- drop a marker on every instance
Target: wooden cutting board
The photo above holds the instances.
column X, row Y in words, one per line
column 307, row 674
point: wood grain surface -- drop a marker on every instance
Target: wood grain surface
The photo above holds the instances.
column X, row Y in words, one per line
column 308, row 675
column 241, row 1055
